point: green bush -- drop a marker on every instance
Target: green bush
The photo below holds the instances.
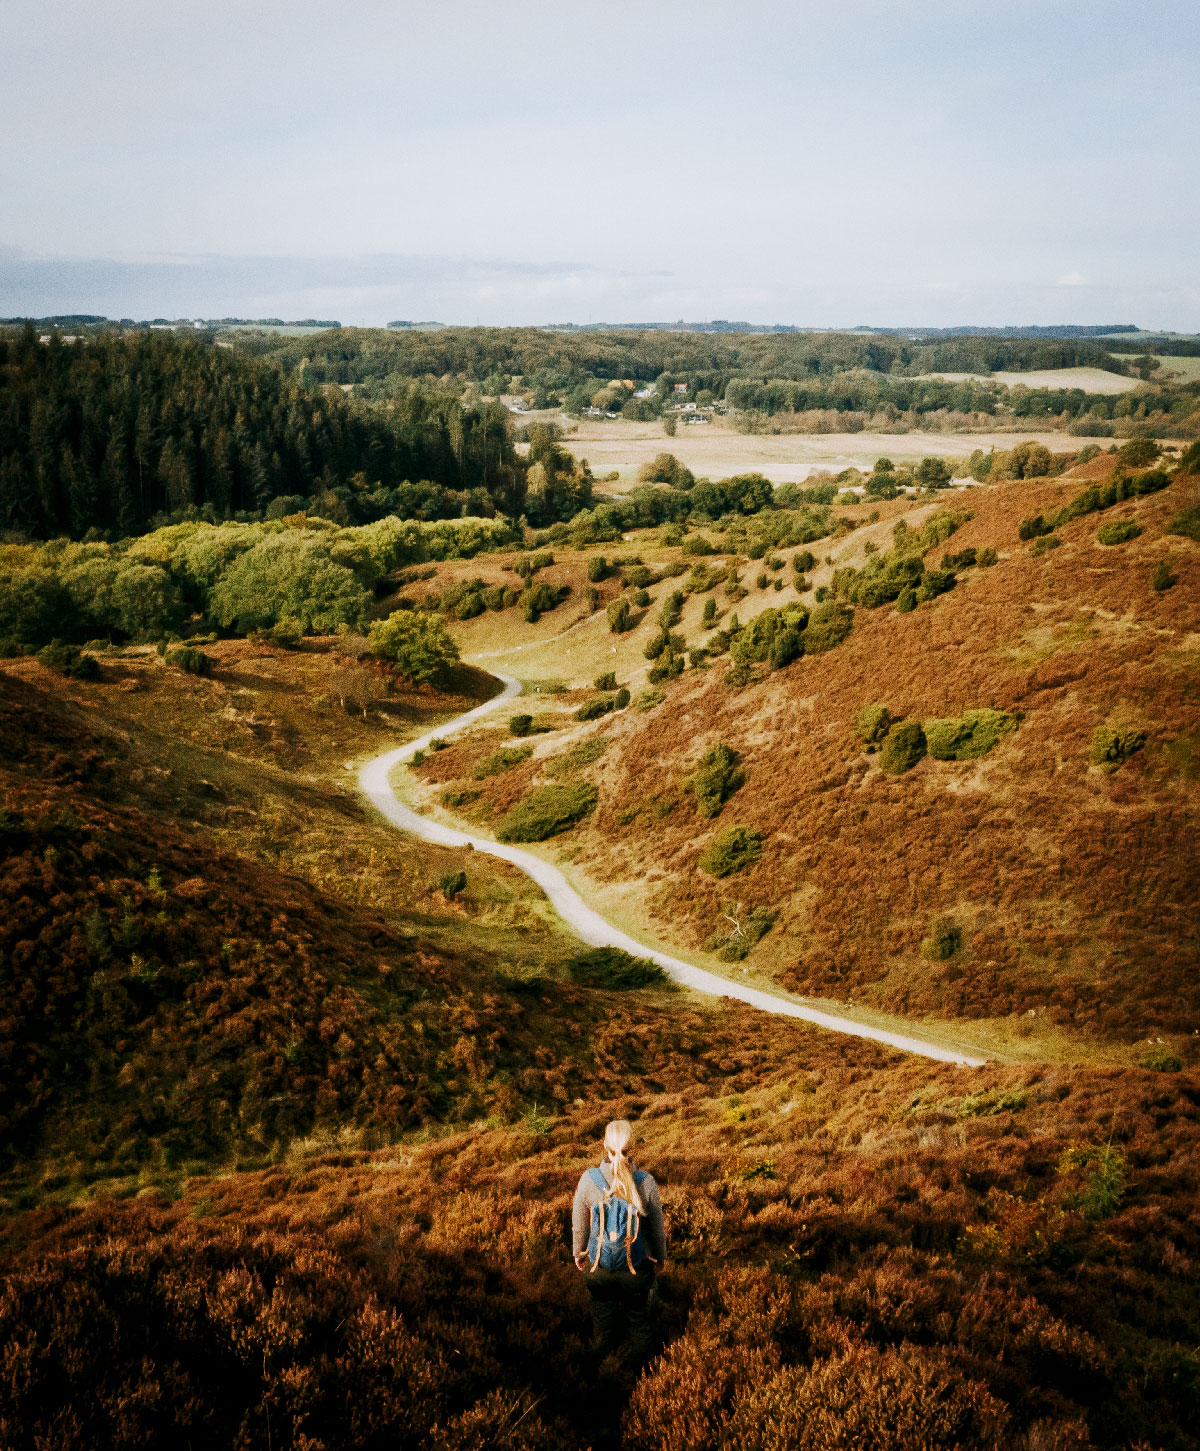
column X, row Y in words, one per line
column 1100, row 1172
column 538, row 599
column 520, row 725
column 903, row 748
column 69, row 660
column 1160, row 1059
column 1044, row 545
column 1118, row 531
column 618, row 616
column 788, row 645
column 717, row 776
column 292, row 575
column 1162, row 578
column 944, row 940
column 621, row 699
column 733, row 940
column 731, row 851
column 906, row 601
column 454, row 797
column 656, row 645
column 417, row 645
column 872, row 724
column 710, row 612
column 671, row 611
column 1138, row 452
column 1113, row 745
column 1034, row 528
column 968, row 736
column 502, row 760
column 666, row 668
column 936, row 582
column 763, row 638
column 597, row 569
column 607, row 681
column 287, row 632
column 804, row 562
column 828, row 626
column 547, row 812
column 610, row 967
column 190, row 661
column 594, row 709
column 1186, row 523
column 452, row 884
column 986, row 557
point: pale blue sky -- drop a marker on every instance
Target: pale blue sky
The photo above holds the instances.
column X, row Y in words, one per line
column 919, row 161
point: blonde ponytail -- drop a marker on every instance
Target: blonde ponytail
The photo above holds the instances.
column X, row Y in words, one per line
column 618, row 1137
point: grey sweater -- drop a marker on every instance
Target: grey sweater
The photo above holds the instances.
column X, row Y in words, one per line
column 588, row 1195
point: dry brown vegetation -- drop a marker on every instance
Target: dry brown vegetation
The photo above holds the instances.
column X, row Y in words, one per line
column 866, row 1253
column 1076, row 890
column 169, row 1005
column 290, row 1136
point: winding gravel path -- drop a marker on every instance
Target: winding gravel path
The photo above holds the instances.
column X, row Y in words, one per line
column 374, row 782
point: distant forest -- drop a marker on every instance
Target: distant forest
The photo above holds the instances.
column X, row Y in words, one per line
column 119, row 432
column 873, row 380
column 560, row 363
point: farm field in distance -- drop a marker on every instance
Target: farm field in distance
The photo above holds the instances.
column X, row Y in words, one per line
column 715, row 450
column 1091, row 380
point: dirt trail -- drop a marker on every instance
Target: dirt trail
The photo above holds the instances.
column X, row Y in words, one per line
column 375, row 784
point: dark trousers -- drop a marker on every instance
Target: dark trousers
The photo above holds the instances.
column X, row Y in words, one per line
column 621, row 1312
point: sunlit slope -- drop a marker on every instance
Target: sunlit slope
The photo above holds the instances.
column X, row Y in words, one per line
column 1025, row 884
column 1074, row 887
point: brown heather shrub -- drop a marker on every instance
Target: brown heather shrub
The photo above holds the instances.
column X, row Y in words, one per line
column 889, row 1400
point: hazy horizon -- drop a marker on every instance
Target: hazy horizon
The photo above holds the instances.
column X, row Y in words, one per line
column 894, row 164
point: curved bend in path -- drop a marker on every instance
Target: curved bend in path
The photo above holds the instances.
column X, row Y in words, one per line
column 374, row 782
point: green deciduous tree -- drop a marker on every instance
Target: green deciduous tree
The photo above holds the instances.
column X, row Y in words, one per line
column 417, row 644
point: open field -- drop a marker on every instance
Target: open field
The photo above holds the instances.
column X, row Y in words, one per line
column 1177, row 370
column 715, row 450
column 1091, row 380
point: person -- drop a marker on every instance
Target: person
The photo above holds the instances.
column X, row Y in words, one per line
column 619, row 1243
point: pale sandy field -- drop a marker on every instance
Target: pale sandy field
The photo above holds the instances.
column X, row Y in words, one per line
column 715, row 451
column 1091, row 380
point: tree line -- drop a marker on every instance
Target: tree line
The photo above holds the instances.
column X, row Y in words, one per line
column 118, row 432
column 556, row 364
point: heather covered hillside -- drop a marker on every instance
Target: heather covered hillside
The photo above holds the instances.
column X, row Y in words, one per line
column 973, row 796
column 171, row 1004
column 865, row 1254
column 293, row 1105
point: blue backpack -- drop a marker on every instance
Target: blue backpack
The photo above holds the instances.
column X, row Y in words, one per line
column 616, row 1241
